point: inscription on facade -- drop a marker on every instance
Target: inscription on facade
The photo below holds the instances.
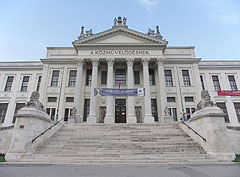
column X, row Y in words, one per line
column 119, row 52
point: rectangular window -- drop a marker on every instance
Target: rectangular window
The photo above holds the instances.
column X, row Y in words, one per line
column 154, row 109
column 48, row 111
column 25, row 83
column 104, row 78
column 70, row 99
column 189, row 112
column 67, row 114
column 186, row 78
column 168, row 78
column 55, row 76
column 39, row 82
column 120, row 76
column 52, row 117
column 9, row 83
column 171, row 99
column 3, row 111
column 237, row 108
column 86, row 109
column 173, row 112
column 232, row 82
column 216, row 83
column 188, row 99
column 52, row 99
column 224, row 109
column 18, row 107
column 202, row 83
column 136, row 77
column 193, row 110
column 72, row 78
column 151, row 77
column 89, row 77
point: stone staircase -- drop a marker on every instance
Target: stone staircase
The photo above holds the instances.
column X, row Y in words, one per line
column 120, row 143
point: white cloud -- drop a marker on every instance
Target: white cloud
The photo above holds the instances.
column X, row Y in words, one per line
column 149, row 4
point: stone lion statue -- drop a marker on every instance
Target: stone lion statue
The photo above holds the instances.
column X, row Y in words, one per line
column 205, row 100
column 34, row 101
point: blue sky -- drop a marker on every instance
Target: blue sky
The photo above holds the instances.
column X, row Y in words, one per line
column 29, row 26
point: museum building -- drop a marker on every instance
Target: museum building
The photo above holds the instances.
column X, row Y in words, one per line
column 120, row 76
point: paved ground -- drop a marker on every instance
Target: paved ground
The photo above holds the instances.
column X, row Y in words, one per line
column 43, row 170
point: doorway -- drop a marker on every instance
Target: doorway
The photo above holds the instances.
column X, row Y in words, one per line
column 120, row 111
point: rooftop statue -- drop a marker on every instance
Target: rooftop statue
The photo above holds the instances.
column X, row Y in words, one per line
column 150, row 32
column 124, row 21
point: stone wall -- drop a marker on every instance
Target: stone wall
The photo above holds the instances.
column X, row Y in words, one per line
column 5, row 138
column 209, row 123
column 30, row 122
column 234, row 138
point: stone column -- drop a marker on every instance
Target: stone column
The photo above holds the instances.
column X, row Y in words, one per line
column 92, row 118
column 78, row 94
column 148, row 118
column 162, row 92
column 131, row 118
column 109, row 115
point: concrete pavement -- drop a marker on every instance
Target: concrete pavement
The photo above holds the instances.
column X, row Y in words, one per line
column 115, row 170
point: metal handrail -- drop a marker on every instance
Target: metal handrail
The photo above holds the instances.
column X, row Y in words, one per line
column 46, row 130
column 195, row 132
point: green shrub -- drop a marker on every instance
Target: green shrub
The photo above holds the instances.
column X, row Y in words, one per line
column 237, row 159
column 2, row 157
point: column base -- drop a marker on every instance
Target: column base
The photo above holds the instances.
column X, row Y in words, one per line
column 148, row 119
column 167, row 119
column 131, row 119
column 92, row 119
column 76, row 118
column 109, row 119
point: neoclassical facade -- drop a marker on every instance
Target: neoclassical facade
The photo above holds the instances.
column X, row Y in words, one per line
column 119, row 59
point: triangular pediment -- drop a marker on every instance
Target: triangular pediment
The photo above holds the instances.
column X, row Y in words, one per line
column 120, row 36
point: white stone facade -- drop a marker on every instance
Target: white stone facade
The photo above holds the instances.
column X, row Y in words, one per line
column 170, row 76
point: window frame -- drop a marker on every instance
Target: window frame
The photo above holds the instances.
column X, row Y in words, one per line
column 186, row 78
column 25, row 82
column 9, row 84
column 72, row 78
column 168, row 78
column 55, row 78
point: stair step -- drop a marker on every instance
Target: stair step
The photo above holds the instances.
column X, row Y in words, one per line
column 120, row 143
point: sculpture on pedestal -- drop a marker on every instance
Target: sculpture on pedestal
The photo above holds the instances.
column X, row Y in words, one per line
column 34, row 101
column 205, row 100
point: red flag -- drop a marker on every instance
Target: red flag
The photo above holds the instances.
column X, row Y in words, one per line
column 119, row 85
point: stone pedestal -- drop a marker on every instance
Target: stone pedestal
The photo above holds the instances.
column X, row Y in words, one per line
column 209, row 123
column 30, row 122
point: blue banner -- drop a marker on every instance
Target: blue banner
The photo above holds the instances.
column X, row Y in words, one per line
column 119, row 92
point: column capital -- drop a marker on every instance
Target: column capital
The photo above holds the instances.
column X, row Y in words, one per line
column 160, row 60
column 130, row 61
column 110, row 61
column 145, row 61
column 95, row 61
column 80, row 61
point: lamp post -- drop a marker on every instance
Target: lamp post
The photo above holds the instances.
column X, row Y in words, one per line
column 180, row 90
column 59, row 98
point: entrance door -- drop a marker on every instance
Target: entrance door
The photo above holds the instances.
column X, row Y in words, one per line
column 120, row 111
